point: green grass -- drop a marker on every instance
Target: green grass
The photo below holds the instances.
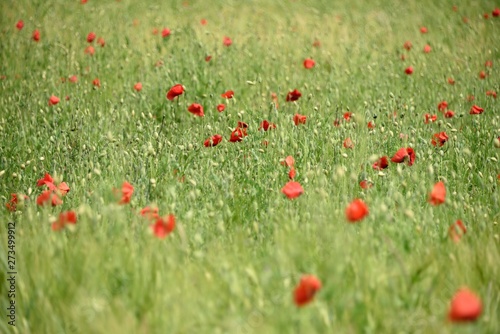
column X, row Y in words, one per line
column 240, row 246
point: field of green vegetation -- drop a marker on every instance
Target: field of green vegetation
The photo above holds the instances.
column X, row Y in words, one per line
column 353, row 186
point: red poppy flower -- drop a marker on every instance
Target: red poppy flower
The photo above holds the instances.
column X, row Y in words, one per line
column 423, row 30
column 228, row 95
column 213, row 141
column 196, row 109
column 404, row 154
column 409, row 70
column 138, row 86
column 90, row 37
column 48, row 196
column 19, row 24
column 83, row 2
column 496, row 12
column 53, row 100
column 163, row 226
column 348, row 143
column 454, row 8
column 486, row 16
column 291, row 173
column 154, row 31
column 407, row 45
column 299, row 119
column 442, row 106
column 47, row 181
column 449, row 114
column 36, row 35
column 427, row 48
column 73, row 79
column 438, row 194
column 488, row 63
column 316, row 44
column 305, row 291
column 227, row 41
column 127, row 191
column 89, row 50
column 470, row 98
column 208, row 58
column 347, row 116
column 491, row 93
column 457, row 230
column 371, row 125
column 221, row 107
column 292, row 190
column 203, row 22
column 12, row 204
column 451, row 81
column 175, row 91
column 101, row 42
column 293, row 95
column 365, row 184
column 465, row 306
column 238, row 133
column 65, row 218
column 430, row 118
column 289, row 161
column 265, row 125
column 482, row 75
column 336, row 122
column 309, row 63
column 96, row 82
column 165, row 32
column 149, row 213
column 439, row 139
column 356, row 210
column 381, row 163
column 476, row 110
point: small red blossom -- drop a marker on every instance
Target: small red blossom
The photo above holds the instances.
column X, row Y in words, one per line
column 293, row 95
column 442, row 106
column 48, row 181
column 291, row 173
column 465, row 306
column 154, row 31
column 203, row 22
column 238, row 133
column 165, row 32
column 292, row 190
column 438, row 194
column 208, row 58
column 227, row 41
column 371, row 125
column 12, row 204
column 163, row 226
column 53, row 100
column 228, row 95
column 336, row 122
column 486, row 16
column 101, row 42
column 299, row 119
column 221, row 107
column 305, row 291
column 496, row 12
column 409, row 70
column 89, row 50
column 365, row 184
column 423, row 30
column 289, row 161
column 127, row 191
column 20, row 25
column 476, row 110
column 90, row 37
column 73, row 79
column 488, row 63
column 451, row 81
column 36, row 35
column 65, row 218
column 196, row 109
column 138, row 87
column 348, row 143
column 449, row 114
column 265, row 125
column 213, row 141
column 404, row 154
column 356, row 210
column 470, row 98
column 347, row 116
column 482, row 75
column 427, row 48
column 430, row 118
column 309, row 63
column 96, row 82
column 48, row 197
column 491, row 93
column 457, row 230
column 149, row 213
column 407, row 45
column 381, row 163
column 439, row 139
column 63, row 188
column 175, row 91
column 317, row 44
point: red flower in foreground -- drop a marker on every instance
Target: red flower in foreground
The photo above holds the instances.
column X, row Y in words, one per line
column 213, row 141
column 289, row 161
column 149, row 213
column 407, row 45
column 404, row 154
column 309, row 63
column 439, row 139
column 48, row 197
column 163, row 226
column 449, row 114
column 228, row 95
column 90, row 37
column 265, row 125
column 430, row 118
column 381, row 163
column 48, row 181
column 465, row 306
column 19, row 24
column 356, row 210
column 409, row 70
column 175, row 91
column 292, row 190
column 227, row 41
column 348, row 143
column 165, row 32
column 438, row 194
column 12, row 204
column 138, row 86
column 65, row 218
column 127, row 191
column 36, row 35
column 457, row 230
column 53, row 100
column 299, row 119
column 293, row 95
column 476, row 110
column 196, row 109
column 423, row 30
column 221, row 107
column 96, row 82
column 306, row 289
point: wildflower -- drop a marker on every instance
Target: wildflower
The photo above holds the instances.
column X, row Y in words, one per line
column 409, row 70
column 165, row 32
column 465, row 306
column 101, row 42
column 227, row 41
column 53, row 100
column 73, row 79
column 238, row 133
column 427, row 48
column 438, row 194
column 404, row 154
column 292, row 190
column 96, row 82
column 36, row 35
column 65, row 218
column 491, row 93
column 371, row 125
column 293, row 95
column 291, row 173
column 90, row 37
column 89, row 50
column 149, row 213
column 407, row 45
column 488, row 63
column 381, row 163
column 289, row 161
column 138, row 87
column 196, row 109
column 20, row 25
column 208, row 58
column 347, row 116
column 175, row 91
column 213, row 141
column 430, row 118
column 265, row 125
column 451, row 81
column 442, row 106
column 163, row 226
column 423, row 30
column 309, row 63
column 203, row 22
column 221, row 107
column 48, row 197
column 127, row 191
column 457, row 230
column 12, row 204
column 228, row 95
column 365, row 184
column 449, row 114
column 348, row 143
column 299, row 119
column 496, row 12
column 305, row 291
column 476, row 110
column 356, row 210
column 439, row 139
column 482, row 75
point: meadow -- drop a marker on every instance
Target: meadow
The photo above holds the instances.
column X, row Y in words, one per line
column 353, row 187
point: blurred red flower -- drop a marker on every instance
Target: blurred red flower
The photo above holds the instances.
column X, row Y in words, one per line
column 89, row 50
column 488, row 63
column 476, row 110
column 165, row 32
column 496, row 12
column 482, row 75
column 427, row 48
column 163, row 226
column 305, row 291
column 265, row 125
column 19, row 24
column 465, row 306
column 442, row 106
column 101, row 42
column 438, row 194
column 127, row 191
column 423, row 30
column 449, row 114
column 430, row 118
column 381, row 163
column 227, row 41
column 293, row 95
column 228, row 95
column 439, row 139
column 238, row 133
column 371, row 125
column 407, row 45
column 53, row 100
column 409, row 70
column 138, row 86
column 291, row 173
column 309, row 63
column 208, row 58
column 36, row 35
column 12, row 204
column 149, row 213
column 196, row 109
column 457, row 230
column 203, row 22
column 451, row 81
column 348, row 143
column 73, row 79
column 48, row 197
column 65, row 218
column 365, row 184
column 213, row 141
column 299, row 119
column 90, row 37
column 404, row 154
column 347, row 116
column 175, row 91
column 289, row 161
column 491, row 93
column 356, row 210
column 96, row 82
column 292, row 190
